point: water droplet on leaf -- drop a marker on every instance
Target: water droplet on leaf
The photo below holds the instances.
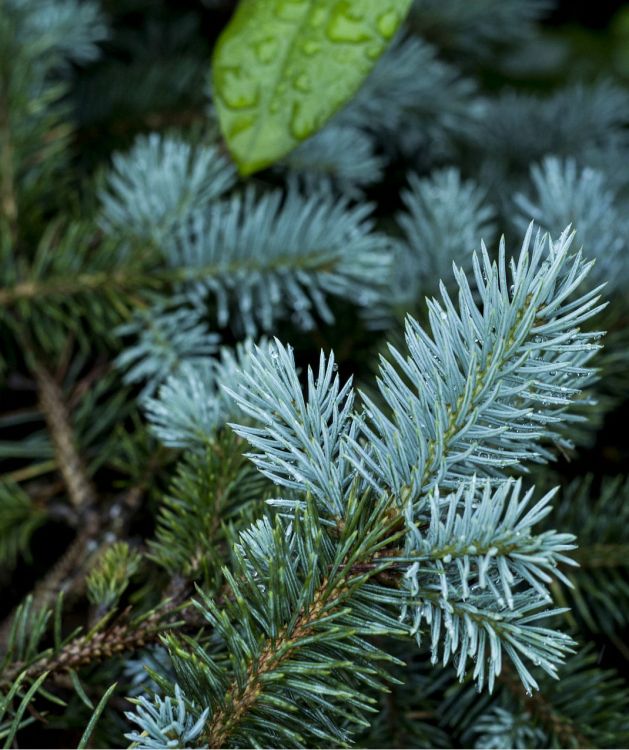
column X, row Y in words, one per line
column 388, row 23
column 302, row 83
column 373, row 51
column 235, row 88
column 311, row 48
column 241, row 124
column 345, row 25
column 266, row 49
column 290, row 10
column 318, row 17
column 304, row 121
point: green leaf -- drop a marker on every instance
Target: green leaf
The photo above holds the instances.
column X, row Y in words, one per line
column 281, row 68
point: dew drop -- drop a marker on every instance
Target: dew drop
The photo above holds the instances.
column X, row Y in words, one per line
column 290, row 10
column 388, row 23
column 304, row 121
column 302, row 83
column 318, row 17
column 345, row 25
column 266, row 49
column 234, row 87
column 241, row 124
column 374, row 51
column 311, row 48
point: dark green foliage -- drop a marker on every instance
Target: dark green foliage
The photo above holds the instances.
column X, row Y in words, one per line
column 212, row 539
column 213, row 493
column 584, row 709
column 111, row 575
column 599, row 595
column 19, row 518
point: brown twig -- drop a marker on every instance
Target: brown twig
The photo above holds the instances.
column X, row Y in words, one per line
column 121, row 636
column 81, row 492
column 239, row 700
column 114, row 640
column 100, row 525
column 79, row 488
column 57, row 580
column 8, row 203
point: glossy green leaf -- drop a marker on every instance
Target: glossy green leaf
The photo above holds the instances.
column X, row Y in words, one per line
column 282, row 67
